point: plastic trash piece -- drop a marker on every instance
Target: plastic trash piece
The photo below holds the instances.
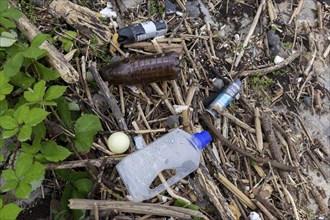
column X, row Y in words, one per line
column 142, row 31
column 177, row 150
column 224, row 98
column 107, row 12
column 142, row 69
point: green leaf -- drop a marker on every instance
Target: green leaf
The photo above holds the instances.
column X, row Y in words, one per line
column 53, row 152
column 23, row 190
column 36, row 115
column 12, row 13
column 24, row 133
column 70, row 35
column 88, row 123
column 4, row 6
column 8, row 38
column 10, row 211
column 46, row 73
column 9, row 185
column 8, row 175
column 64, row 112
column 36, row 171
column 13, row 65
column 85, row 128
column 9, row 133
column 54, row 92
column 30, row 149
column 67, row 46
column 3, row 79
column 1, row 202
column 6, row 23
column 8, row 122
column 84, row 186
column 22, row 80
column 39, row 132
column 71, row 176
column 34, row 53
column 38, row 92
column 3, row 105
column 21, row 113
column 2, row 158
column 5, row 90
column 23, row 164
column 39, row 39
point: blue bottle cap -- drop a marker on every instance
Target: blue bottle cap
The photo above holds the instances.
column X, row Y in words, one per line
column 203, row 138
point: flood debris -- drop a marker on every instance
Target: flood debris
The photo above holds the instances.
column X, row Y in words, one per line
column 269, row 154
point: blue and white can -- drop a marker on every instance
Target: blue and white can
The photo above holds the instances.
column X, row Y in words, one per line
column 224, row 98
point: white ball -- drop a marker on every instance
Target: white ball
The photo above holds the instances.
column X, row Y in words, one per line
column 118, row 142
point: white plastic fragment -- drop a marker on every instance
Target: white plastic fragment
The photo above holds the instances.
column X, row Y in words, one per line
column 139, row 142
column 180, row 108
column 278, row 59
column 164, row 198
column 254, row 216
column 107, row 12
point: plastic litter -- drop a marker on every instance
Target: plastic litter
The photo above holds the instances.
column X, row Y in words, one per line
column 142, row 31
column 142, row 69
column 224, row 98
column 139, row 142
column 170, row 8
column 107, row 12
column 254, row 216
column 177, row 150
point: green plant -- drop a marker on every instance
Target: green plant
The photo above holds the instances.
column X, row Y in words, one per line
column 261, row 82
column 30, row 96
column 67, row 40
column 287, row 45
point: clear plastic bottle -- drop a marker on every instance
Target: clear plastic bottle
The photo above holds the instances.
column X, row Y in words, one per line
column 177, row 150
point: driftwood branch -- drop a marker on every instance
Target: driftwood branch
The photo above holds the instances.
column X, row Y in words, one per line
column 54, row 57
column 228, row 144
column 110, row 99
column 133, row 207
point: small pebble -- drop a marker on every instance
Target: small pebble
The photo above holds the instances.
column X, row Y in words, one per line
column 173, row 121
column 254, row 216
column 278, row 59
column 217, row 84
column 274, row 42
column 139, row 142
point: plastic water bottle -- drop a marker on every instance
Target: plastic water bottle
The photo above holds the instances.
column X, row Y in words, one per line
column 177, row 150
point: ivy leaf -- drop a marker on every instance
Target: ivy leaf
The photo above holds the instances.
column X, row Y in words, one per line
column 10, row 211
column 23, row 164
column 22, row 80
column 13, row 64
column 37, row 94
column 23, row 190
column 84, row 186
column 38, row 40
column 34, row 53
column 36, row 171
column 8, row 122
column 8, row 38
column 46, row 73
column 53, row 152
column 85, row 128
column 54, row 92
column 24, row 133
column 36, row 115
column 21, row 113
column 9, row 133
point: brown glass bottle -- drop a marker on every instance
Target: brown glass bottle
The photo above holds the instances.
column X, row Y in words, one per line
column 142, row 69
